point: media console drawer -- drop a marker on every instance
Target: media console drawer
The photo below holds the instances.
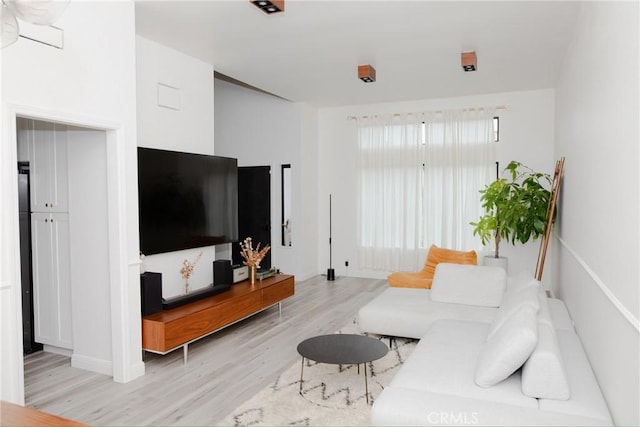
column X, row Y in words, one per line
column 171, row 329
column 197, row 324
column 278, row 292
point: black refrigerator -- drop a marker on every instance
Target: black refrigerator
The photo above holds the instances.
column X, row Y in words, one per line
column 28, row 332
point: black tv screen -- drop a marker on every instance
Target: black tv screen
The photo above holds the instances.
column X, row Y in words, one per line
column 186, row 200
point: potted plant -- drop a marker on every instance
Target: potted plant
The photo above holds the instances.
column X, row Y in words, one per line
column 516, row 207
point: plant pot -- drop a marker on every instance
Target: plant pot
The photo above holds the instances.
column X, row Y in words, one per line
column 492, row 261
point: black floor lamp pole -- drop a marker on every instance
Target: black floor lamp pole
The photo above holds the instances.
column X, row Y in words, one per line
column 331, row 274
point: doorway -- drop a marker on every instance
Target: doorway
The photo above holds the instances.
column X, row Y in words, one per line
column 254, row 210
column 64, row 254
column 124, row 360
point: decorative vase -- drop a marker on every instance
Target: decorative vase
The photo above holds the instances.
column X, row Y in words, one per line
column 186, row 286
column 253, row 272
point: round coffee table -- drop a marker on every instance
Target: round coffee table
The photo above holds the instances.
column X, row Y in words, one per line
column 342, row 349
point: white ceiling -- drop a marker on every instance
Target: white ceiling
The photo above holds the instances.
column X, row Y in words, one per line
column 310, row 53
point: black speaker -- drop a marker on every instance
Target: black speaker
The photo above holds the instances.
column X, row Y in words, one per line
column 151, row 292
column 222, row 272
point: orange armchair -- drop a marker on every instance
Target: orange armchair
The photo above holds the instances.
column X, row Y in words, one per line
column 424, row 277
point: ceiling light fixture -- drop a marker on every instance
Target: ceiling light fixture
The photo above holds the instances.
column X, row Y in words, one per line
column 269, row 6
column 367, row 73
column 469, row 61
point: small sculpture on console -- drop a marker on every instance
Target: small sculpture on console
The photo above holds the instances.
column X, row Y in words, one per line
column 187, row 270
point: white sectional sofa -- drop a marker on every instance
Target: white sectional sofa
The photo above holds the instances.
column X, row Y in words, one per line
column 492, row 351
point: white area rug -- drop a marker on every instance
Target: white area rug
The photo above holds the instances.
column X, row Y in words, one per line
column 332, row 395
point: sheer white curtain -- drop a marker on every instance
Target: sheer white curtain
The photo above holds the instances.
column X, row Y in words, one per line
column 419, row 182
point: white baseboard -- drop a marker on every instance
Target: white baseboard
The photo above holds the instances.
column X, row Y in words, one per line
column 57, row 350
column 92, row 364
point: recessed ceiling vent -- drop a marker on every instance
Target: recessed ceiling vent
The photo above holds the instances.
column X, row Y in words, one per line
column 269, row 6
column 367, row 73
column 469, row 61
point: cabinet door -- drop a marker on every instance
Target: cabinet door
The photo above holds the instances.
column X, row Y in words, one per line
column 59, row 199
column 59, row 223
column 49, row 180
column 44, row 292
column 51, row 279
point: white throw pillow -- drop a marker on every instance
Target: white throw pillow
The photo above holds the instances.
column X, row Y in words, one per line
column 515, row 297
column 543, row 374
column 468, row 284
column 508, row 348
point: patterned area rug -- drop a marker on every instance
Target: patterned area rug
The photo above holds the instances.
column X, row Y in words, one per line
column 332, row 395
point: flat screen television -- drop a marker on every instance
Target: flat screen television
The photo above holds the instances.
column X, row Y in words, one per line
column 186, row 200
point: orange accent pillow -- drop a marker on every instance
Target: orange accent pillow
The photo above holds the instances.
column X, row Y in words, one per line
column 437, row 255
column 424, row 277
column 405, row 279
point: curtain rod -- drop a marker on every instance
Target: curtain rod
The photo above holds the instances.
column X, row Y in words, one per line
column 499, row 107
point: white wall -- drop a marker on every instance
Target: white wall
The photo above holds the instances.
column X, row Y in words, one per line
column 262, row 130
column 90, row 82
column 526, row 135
column 187, row 127
column 597, row 235
column 307, row 190
column 89, row 243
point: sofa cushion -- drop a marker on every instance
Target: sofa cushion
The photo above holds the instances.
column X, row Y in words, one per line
column 508, row 348
column 468, row 284
column 404, row 312
column 543, row 374
column 519, row 293
column 444, row 361
column 586, row 398
column 399, row 406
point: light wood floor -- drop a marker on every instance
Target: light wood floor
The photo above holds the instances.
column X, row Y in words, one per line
column 224, row 369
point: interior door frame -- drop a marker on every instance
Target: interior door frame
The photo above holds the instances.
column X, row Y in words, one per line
column 125, row 324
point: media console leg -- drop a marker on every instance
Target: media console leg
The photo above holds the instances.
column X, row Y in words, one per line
column 185, row 350
column 280, row 309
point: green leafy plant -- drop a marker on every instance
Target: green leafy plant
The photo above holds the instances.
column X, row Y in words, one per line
column 516, row 208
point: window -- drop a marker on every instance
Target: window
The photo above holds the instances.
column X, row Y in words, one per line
column 419, row 182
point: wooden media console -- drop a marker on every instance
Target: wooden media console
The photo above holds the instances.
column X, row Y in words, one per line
column 171, row 329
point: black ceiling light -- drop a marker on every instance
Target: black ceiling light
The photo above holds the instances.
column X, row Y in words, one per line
column 367, row 73
column 269, row 6
column 469, row 61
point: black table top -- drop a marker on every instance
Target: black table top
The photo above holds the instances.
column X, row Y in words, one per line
column 342, row 349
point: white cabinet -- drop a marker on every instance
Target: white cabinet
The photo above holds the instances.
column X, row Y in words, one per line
column 45, row 146
column 51, row 279
column 48, row 156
